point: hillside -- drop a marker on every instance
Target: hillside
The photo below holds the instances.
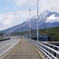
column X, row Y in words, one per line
column 52, row 32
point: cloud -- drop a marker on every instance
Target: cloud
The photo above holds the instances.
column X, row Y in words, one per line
column 6, row 20
column 19, row 2
column 14, row 18
column 51, row 5
column 24, row 2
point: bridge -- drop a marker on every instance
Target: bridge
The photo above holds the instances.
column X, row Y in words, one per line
column 23, row 47
column 24, row 31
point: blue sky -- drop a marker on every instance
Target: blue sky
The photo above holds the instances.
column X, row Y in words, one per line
column 13, row 12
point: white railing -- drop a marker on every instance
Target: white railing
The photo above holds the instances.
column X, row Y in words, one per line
column 49, row 50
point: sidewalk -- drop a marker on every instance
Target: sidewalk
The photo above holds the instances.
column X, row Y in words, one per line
column 23, row 51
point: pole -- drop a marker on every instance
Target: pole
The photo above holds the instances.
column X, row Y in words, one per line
column 28, row 26
column 37, row 21
column 29, row 23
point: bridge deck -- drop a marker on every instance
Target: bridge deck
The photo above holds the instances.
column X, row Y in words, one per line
column 23, row 51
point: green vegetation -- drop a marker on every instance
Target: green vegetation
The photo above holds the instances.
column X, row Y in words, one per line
column 52, row 32
column 25, row 33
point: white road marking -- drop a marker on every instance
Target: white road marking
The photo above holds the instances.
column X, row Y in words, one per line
column 9, row 48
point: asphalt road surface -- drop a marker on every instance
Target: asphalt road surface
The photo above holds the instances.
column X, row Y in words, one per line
column 7, row 44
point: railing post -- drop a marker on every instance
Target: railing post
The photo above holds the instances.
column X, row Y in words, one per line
column 52, row 51
column 57, row 54
column 49, row 50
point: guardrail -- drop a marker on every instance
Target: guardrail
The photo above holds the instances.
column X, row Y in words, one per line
column 49, row 50
column 4, row 38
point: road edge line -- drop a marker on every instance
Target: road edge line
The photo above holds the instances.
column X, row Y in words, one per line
column 8, row 52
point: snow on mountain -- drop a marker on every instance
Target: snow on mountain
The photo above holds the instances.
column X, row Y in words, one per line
column 42, row 16
column 52, row 19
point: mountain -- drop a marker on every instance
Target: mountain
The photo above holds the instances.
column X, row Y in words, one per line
column 46, row 19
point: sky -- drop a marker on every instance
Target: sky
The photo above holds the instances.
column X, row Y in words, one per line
column 14, row 12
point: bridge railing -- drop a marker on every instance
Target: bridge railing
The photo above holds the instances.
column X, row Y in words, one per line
column 4, row 38
column 51, row 45
column 47, row 49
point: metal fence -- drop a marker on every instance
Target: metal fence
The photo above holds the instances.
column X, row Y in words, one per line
column 49, row 50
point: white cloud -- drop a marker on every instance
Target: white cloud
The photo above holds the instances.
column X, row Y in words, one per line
column 7, row 22
column 19, row 2
column 24, row 2
column 32, row 3
column 51, row 5
column 14, row 18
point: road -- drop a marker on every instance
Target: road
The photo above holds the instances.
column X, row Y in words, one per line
column 24, row 50
column 6, row 45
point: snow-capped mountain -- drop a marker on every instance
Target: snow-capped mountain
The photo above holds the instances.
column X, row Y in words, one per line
column 52, row 19
column 46, row 19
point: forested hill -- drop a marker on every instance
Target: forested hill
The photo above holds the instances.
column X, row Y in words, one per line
column 52, row 32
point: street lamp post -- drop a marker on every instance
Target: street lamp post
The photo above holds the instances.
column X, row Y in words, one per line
column 28, row 26
column 37, row 21
column 29, row 22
